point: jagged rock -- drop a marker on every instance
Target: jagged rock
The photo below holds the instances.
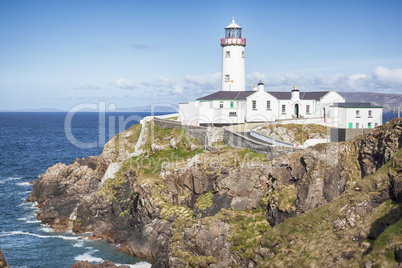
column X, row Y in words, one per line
column 173, row 144
column 193, row 147
column 3, row 263
column 368, row 264
column 155, row 147
column 128, row 211
column 212, row 240
column 339, row 224
column 398, row 254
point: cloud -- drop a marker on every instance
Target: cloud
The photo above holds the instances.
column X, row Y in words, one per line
column 380, row 80
column 138, row 45
column 124, row 84
column 191, row 87
column 388, row 78
column 201, row 84
column 88, row 87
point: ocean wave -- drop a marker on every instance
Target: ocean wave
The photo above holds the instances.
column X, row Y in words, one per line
column 38, row 235
column 26, row 183
column 79, row 244
column 33, row 221
column 88, row 257
column 10, row 179
column 46, row 228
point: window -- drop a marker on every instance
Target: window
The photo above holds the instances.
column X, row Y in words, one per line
column 254, row 104
column 268, row 105
column 232, row 113
column 357, row 113
column 357, row 125
column 370, row 115
column 231, row 104
column 242, row 54
column 227, row 77
column 221, row 104
column 376, row 125
column 369, row 125
column 227, row 54
column 307, row 109
column 283, row 108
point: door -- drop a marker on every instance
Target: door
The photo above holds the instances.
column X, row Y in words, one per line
column 297, row 110
column 350, row 125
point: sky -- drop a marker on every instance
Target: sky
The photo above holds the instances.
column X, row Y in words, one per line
column 60, row 54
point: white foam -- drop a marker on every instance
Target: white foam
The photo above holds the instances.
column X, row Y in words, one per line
column 88, row 257
column 33, row 221
column 23, row 183
column 46, row 228
column 79, row 244
column 21, row 219
column 38, row 235
column 13, row 179
column 10, row 179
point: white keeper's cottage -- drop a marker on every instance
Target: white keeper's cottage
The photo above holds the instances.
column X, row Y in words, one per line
column 233, row 104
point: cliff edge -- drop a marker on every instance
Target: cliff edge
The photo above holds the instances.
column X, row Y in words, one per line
column 162, row 197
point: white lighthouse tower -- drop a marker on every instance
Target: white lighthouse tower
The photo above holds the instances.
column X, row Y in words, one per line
column 233, row 59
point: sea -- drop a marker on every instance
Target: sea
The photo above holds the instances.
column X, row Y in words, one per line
column 29, row 144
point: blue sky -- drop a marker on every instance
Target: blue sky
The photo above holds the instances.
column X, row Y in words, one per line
column 58, row 54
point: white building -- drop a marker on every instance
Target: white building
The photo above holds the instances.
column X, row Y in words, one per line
column 234, row 105
column 356, row 115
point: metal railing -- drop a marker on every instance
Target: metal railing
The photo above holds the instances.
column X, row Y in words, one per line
column 233, row 41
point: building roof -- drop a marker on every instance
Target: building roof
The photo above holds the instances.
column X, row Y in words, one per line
column 303, row 95
column 242, row 95
column 228, row 95
column 355, row 105
column 233, row 25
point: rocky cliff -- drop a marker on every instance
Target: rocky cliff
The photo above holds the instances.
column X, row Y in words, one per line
column 3, row 263
column 171, row 203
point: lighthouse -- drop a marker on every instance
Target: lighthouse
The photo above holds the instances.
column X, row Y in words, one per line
column 233, row 59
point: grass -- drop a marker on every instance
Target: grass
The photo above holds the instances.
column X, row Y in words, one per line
column 284, row 196
column 246, row 227
column 204, row 201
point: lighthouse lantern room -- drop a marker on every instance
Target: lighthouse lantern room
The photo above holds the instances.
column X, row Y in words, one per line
column 233, row 59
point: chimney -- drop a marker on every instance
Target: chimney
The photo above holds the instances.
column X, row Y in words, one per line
column 255, row 87
column 295, row 93
column 260, row 86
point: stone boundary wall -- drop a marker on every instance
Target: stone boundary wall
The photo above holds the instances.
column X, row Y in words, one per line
column 236, row 140
column 205, row 135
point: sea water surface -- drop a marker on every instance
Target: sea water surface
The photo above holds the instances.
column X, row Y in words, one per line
column 29, row 144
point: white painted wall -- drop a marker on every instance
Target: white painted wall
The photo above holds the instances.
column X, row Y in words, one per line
column 344, row 116
column 234, row 66
column 261, row 113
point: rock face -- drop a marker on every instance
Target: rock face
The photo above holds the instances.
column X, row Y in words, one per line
column 213, row 209
column 3, row 263
column 294, row 134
